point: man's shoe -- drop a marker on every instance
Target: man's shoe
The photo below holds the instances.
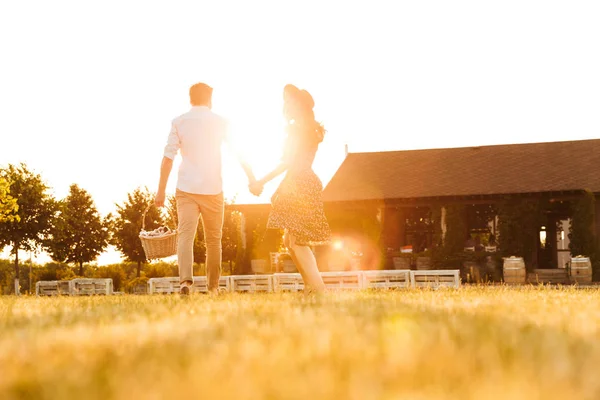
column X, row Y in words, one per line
column 185, row 288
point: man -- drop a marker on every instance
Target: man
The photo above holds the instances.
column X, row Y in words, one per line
column 198, row 135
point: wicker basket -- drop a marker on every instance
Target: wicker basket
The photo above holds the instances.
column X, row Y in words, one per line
column 160, row 246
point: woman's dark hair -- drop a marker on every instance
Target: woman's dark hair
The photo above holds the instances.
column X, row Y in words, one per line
column 300, row 104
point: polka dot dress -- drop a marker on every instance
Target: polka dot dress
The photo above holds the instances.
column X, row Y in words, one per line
column 297, row 205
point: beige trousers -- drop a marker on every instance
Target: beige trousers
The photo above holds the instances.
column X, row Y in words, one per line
column 189, row 208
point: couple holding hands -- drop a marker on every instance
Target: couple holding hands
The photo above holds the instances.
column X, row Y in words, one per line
column 297, row 206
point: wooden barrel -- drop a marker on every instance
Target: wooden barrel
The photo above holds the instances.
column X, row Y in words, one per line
column 288, row 266
column 423, row 263
column 259, row 266
column 581, row 270
column 401, row 262
column 514, row 270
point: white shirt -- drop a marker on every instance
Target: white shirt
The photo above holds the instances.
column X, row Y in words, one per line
column 199, row 135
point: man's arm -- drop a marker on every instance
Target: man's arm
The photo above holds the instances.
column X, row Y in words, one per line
column 248, row 170
column 165, row 170
column 166, row 166
column 256, row 187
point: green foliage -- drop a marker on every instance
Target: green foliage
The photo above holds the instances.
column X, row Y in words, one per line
column 436, row 220
column 8, row 204
column 79, row 234
column 160, row 270
column 116, row 272
column 231, row 229
column 132, row 283
column 53, row 272
column 257, row 245
column 128, row 224
column 581, row 231
column 519, row 221
column 456, row 229
column 242, row 256
column 36, row 211
column 480, row 215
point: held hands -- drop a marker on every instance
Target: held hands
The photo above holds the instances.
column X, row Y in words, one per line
column 256, row 187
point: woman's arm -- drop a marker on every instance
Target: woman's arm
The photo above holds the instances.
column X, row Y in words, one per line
column 281, row 168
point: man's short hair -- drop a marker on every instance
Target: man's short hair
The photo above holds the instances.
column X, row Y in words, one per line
column 200, row 94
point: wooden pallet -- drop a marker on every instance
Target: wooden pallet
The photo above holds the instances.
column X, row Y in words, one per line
column 65, row 287
column 201, row 284
column 388, row 279
column 288, row 282
column 139, row 289
column 166, row 285
column 171, row 285
column 251, row 283
column 343, row 280
column 47, row 288
column 435, row 278
column 91, row 287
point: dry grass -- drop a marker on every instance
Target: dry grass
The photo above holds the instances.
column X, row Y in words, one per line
column 473, row 343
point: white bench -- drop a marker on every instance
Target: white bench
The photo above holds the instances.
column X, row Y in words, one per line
column 291, row 282
column 342, row 280
column 52, row 288
column 201, row 284
column 251, row 283
column 350, row 280
column 171, row 284
column 91, row 286
column 435, row 278
column 388, row 279
column 166, row 285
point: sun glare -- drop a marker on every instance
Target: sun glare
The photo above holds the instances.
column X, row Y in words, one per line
column 256, row 134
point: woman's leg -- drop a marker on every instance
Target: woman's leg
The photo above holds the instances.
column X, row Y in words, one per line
column 287, row 243
column 307, row 265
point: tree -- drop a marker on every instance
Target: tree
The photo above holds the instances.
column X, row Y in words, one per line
column 581, row 231
column 456, row 229
column 519, row 221
column 128, row 224
column 36, row 211
column 231, row 228
column 8, row 204
column 79, row 234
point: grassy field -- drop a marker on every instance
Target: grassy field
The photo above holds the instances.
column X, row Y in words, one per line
column 472, row 343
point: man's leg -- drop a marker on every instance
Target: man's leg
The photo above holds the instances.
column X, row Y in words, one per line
column 187, row 213
column 212, row 209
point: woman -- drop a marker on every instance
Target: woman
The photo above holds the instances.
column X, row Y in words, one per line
column 297, row 206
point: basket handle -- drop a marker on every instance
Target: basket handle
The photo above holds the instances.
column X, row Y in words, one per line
column 148, row 209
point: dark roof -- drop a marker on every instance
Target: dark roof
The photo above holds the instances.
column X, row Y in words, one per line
column 468, row 171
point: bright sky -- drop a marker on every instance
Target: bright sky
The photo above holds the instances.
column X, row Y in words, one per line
column 88, row 90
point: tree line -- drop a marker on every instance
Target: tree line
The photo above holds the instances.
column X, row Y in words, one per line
column 72, row 231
